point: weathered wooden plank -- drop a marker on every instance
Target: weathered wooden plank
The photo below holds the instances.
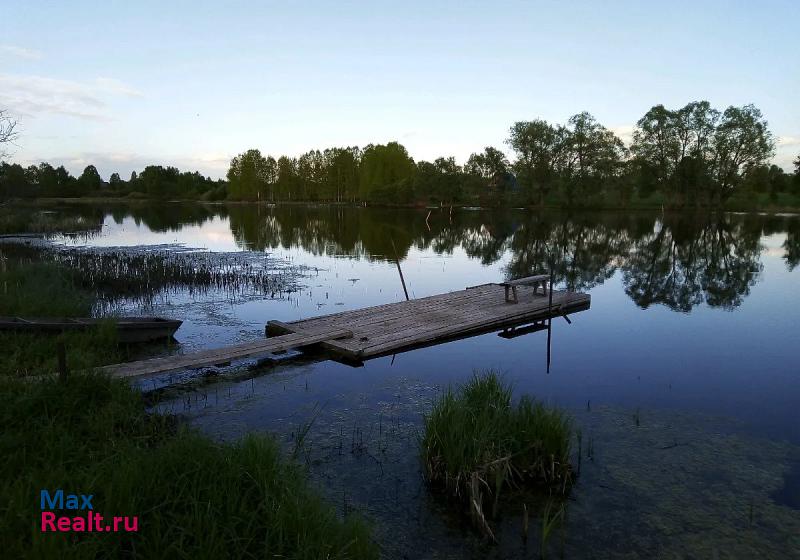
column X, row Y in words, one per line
column 279, row 328
column 477, row 317
column 370, row 315
column 424, row 336
column 213, row 357
column 358, row 320
column 426, row 319
column 407, row 324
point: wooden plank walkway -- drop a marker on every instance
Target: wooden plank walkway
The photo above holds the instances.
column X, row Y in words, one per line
column 354, row 336
column 220, row 356
column 394, row 327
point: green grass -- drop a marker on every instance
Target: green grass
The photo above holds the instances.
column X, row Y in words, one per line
column 194, row 498
column 477, row 445
column 36, row 289
column 91, row 434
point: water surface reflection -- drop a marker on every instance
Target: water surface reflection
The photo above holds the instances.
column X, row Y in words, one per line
column 693, row 328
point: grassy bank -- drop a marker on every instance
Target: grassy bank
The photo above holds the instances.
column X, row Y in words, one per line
column 92, row 435
column 477, row 446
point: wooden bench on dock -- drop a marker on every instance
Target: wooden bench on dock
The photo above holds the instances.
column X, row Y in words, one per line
column 535, row 281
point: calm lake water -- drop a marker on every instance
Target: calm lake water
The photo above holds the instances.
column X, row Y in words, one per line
column 683, row 375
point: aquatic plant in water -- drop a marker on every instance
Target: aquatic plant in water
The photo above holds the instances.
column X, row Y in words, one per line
column 476, row 444
column 139, row 274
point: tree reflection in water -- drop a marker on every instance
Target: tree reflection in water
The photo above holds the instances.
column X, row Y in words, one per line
column 680, row 260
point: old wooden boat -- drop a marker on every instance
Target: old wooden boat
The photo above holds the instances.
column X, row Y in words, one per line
column 130, row 329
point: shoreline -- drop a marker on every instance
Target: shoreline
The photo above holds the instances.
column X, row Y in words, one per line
column 769, row 210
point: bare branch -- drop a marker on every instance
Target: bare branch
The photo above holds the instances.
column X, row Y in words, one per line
column 8, row 132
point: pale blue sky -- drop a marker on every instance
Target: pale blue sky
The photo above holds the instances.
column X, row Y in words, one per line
column 124, row 84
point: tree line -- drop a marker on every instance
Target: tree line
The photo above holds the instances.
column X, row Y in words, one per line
column 154, row 181
column 695, row 155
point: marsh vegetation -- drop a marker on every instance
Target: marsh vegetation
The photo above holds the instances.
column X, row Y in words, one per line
column 140, row 274
column 477, row 446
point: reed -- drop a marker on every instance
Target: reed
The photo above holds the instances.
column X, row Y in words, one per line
column 476, row 445
column 139, row 274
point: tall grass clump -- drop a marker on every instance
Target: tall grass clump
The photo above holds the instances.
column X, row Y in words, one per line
column 476, row 445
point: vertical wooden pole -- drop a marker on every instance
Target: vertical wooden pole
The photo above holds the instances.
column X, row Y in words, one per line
column 400, row 270
column 62, row 362
column 549, row 335
column 549, row 315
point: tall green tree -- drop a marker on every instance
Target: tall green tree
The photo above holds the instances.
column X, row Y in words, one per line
column 489, row 164
column 656, row 143
column 697, row 153
column 248, row 176
column 487, row 176
column 312, row 175
column 89, row 181
column 590, row 157
column 341, row 165
column 440, row 181
column 538, row 146
column 67, row 184
column 741, row 141
column 287, row 183
column 115, row 181
column 385, row 173
column 159, row 181
column 14, row 181
column 47, row 179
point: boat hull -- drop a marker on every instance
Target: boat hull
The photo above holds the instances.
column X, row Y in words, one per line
column 129, row 329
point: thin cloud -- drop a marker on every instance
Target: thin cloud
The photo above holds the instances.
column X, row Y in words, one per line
column 112, row 85
column 788, row 141
column 19, row 52
column 30, row 96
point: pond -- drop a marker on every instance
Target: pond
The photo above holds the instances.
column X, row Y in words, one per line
column 683, row 376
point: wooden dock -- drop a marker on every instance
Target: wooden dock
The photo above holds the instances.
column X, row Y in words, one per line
column 355, row 336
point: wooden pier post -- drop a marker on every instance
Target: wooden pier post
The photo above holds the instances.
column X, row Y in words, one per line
column 549, row 316
column 400, row 270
